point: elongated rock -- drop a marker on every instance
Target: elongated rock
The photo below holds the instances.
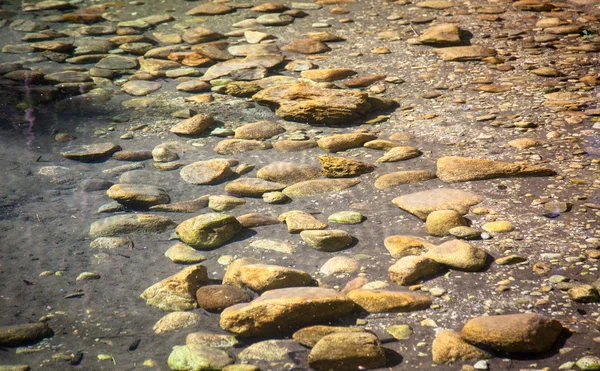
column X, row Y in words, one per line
column 15, row 335
column 298, row 102
column 319, row 186
column 462, row 169
column 130, row 223
column 138, row 195
column 381, row 301
column 284, row 310
column 513, row 333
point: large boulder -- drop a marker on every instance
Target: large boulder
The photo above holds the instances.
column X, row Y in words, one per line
column 298, row 102
column 347, row 351
column 284, row 310
column 462, row 169
column 513, row 333
column 208, row 231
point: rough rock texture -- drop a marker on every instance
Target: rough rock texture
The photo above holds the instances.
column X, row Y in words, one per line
column 252, row 187
column 208, row 231
column 298, row 102
column 449, row 347
column 288, row 172
column 379, row 301
column 178, row 292
column 207, row 172
column 422, row 203
column 283, row 310
column 194, row 357
column 462, row 169
column 328, row 240
column 298, row 221
column 339, row 167
column 513, row 333
column 347, row 351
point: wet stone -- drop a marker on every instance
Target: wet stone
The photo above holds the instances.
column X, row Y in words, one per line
column 91, row 152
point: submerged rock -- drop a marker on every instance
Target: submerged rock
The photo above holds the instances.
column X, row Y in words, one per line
column 177, row 293
column 16, row 335
column 462, row 169
column 130, row 223
column 208, row 231
column 423, row 203
column 91, row 152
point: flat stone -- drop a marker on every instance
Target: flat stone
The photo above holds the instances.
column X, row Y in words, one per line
column 465, row 53
column 140, row 87
column 138, row 195
column 346, row 217
column 177, row 292
column 298, row 221
column 208, row 231
column 338, row 265
column 423, row 203
column 526, row 333
column 400, row 332
column 207, row 172
column 130, row 223
column 181, row 253
column 346, row 352
column 342, row 142
column 435, row 4
column 284, row 310
column 327, row 75
column 269, row 8
column 264, row 277
column 288, row 172
column 274, row 19
column 273, row 351
column 364, row 81
column 190, row 206
column 237, row 146
column 533, row 6
column 245, row 50
column 310, row 336
column 200, row 35
column 403, row 177
column 193, row 86
column 259, row 130
column 223, row 203
column 117, row 62
column 458, row 254
column 252, row 187
column 274, row 245
column 500, row 226
column 330, row 240
column 465, row 233
column 400, row 153
column 449, row 347
column 286, row 146
column 401, row 246
column 410, row 269
column 108, row 242
column 462, row 169
column 91, row 152
column 250, row 62
column 319, row 186
column 211, row 9
column 441, row 34
column 382, row 301
column 256, row 220
column 298, row 102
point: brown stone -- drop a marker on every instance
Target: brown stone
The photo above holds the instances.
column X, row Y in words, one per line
column 215, row 298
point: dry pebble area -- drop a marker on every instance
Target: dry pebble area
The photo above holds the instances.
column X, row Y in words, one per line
column 328, row 185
